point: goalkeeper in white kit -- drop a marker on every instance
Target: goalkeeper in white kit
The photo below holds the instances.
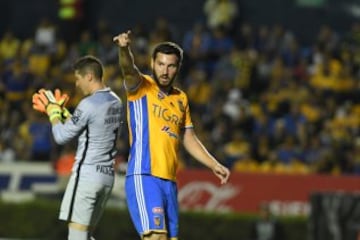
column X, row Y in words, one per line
column 96, row 122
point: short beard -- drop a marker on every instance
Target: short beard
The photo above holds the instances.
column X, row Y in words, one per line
column 163, row 87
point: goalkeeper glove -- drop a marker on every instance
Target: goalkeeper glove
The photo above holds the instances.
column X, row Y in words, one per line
column 54, row 111
column 62, row 99
column 40, row 100
column 37, row 103
column 43, row 98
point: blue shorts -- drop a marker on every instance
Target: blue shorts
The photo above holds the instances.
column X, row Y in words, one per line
column 153, row 205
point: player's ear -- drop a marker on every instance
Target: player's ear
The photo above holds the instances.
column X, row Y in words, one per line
column 89, row 76
column 152, row 63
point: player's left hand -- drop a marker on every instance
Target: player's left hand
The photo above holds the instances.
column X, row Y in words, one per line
column 221, row 172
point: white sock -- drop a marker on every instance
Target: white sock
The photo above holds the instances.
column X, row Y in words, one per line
column 75, row 234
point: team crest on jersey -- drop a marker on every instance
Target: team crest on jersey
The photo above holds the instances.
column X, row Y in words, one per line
column 181, row 106
column 76, row 116
column 161, row 95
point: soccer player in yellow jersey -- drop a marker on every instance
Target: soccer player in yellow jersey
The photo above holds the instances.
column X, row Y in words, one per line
column 158, row 119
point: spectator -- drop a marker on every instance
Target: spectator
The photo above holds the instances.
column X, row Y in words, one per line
column 266, row 227
column 106, row 50
column 237, row 149
column 86, row 44
column 9, row 46
column 16, row 82
column 7, row 154
column 199, row 90
column 45, row 37
column 37, row 130
column 196, row 44
column 221, row 44
column 220, row 13
column 63, row 165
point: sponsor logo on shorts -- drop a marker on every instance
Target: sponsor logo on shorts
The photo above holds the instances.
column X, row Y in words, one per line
column 158, row 210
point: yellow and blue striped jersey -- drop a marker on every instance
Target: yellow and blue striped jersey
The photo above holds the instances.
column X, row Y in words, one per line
column 155, row 122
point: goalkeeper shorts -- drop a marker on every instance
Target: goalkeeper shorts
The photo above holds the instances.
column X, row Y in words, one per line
column 84, row 202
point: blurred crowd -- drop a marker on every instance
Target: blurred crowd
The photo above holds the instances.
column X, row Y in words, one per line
column 261, row 99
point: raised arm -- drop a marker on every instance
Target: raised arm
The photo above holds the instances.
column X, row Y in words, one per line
column 131, row 73
column 193, row 145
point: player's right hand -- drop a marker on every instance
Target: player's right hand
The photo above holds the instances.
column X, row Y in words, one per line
column 123, row 39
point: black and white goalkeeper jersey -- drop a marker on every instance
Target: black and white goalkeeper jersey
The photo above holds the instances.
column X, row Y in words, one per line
column 96, row 122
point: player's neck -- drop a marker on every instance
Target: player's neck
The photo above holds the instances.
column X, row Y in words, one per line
column 166, row 90
column 96, row 87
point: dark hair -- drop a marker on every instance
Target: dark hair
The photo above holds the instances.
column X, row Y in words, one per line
column 169, row 48
column 89, row 63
